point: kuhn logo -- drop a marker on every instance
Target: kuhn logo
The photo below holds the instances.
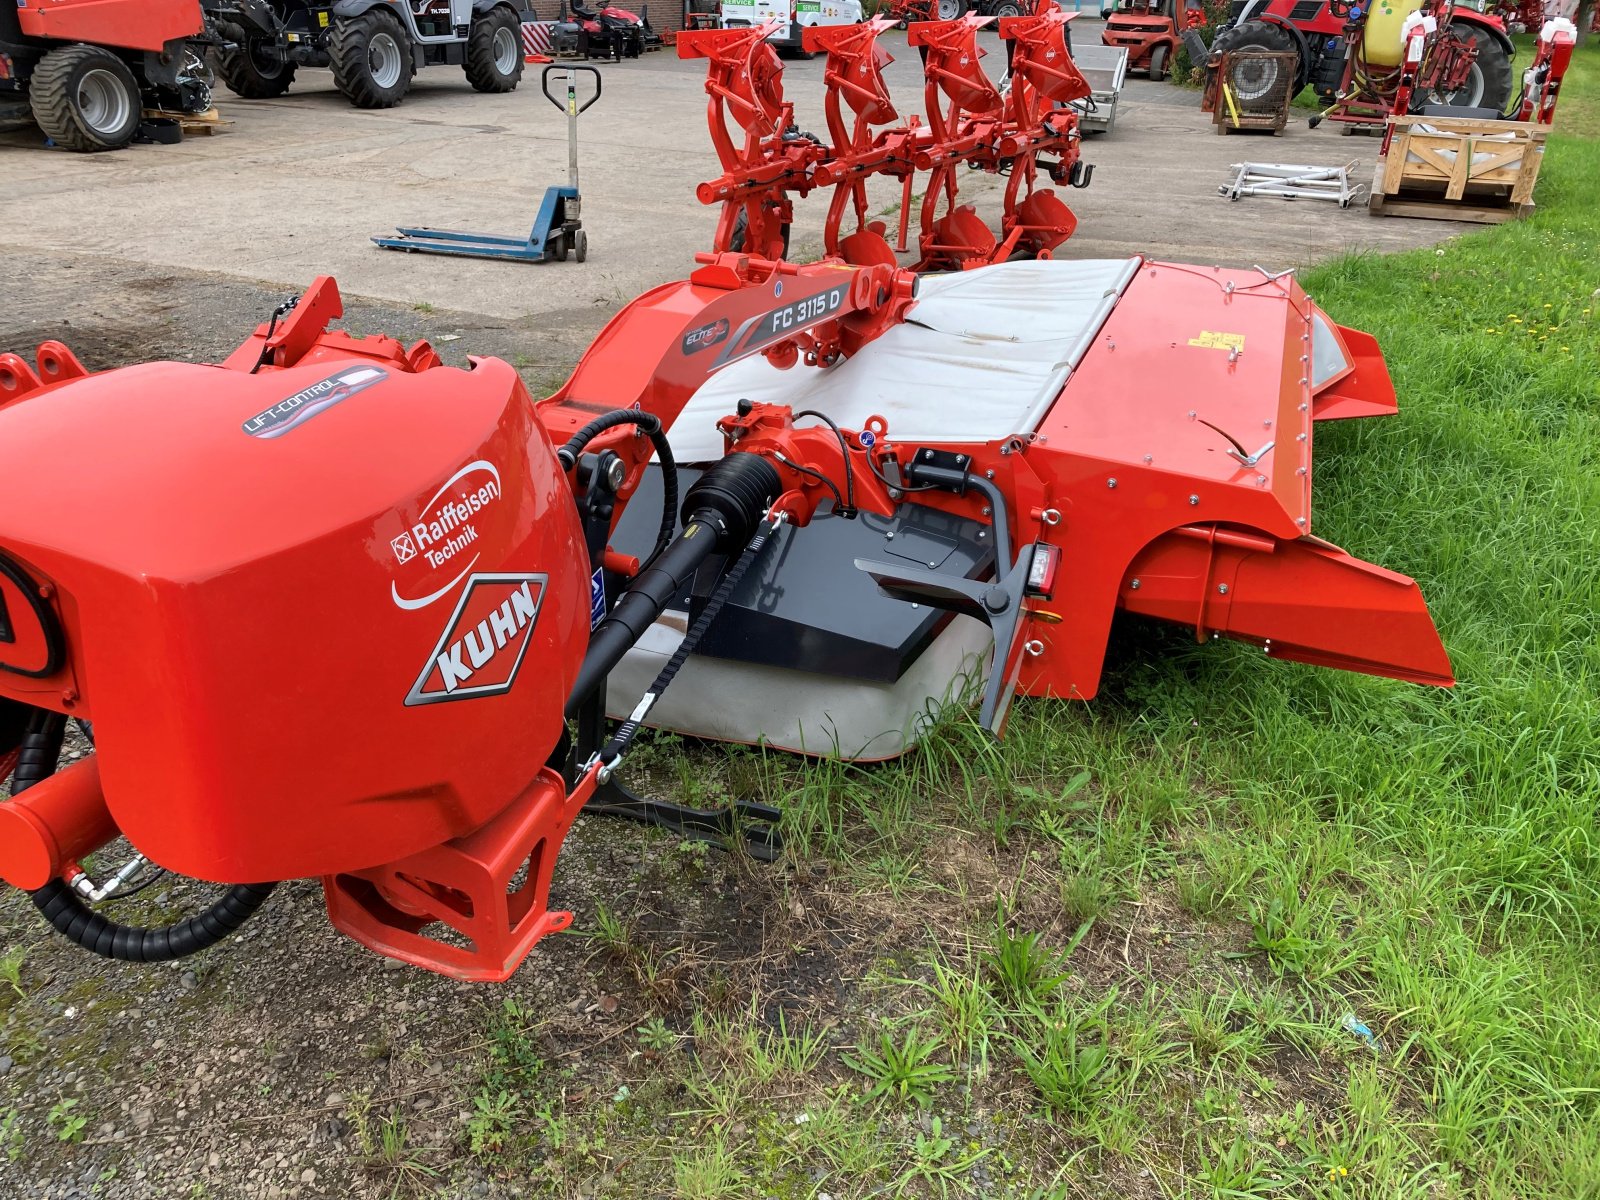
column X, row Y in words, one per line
column 706, row 335
column 446, row 528
column 484, row 641
column 294, row 411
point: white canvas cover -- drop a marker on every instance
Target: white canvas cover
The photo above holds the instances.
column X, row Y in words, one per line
column 982, row 355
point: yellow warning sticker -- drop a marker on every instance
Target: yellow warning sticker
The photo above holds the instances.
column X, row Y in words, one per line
column 1211, row 340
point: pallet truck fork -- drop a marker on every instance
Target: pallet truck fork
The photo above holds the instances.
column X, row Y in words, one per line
column 557, row 229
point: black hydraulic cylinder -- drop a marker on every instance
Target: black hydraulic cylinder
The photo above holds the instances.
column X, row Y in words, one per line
column 720, row 514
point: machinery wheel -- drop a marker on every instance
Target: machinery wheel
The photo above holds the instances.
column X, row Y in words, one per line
column 1158, row 64
column 1006, row 8
column 85, row 98
column 494, row 51
column 1489, row 83
column 949, row 10
column 580, row 245
column 371, row 59
column 252, row 70
column 1251, row 81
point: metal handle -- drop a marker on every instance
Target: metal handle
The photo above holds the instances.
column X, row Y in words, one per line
column 572, row 87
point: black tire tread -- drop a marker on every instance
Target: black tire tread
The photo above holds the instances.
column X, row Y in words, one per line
column 347, row 50
column 1262, row 35
column 49, row 96
column 480, row 52
column 239, row 72
column 1498, row 77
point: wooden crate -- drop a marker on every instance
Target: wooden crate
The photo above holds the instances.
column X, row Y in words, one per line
column 1457, row 169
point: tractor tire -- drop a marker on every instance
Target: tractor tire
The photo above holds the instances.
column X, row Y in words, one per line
column 251, row 71
column 1489, row 84
column 1006, row 8
column 371, row 59
column 948, row 10
column 494, row 52
column 1158, row 64
column 85, row 98
column 1252, row 81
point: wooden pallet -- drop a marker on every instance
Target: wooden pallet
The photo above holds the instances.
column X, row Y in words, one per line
column 203, row 124
column 1457, row 169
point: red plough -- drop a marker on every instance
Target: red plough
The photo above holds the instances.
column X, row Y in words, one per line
column 969, row 123
column 1044, row 133
column 854, row 79
column 967, row 120
column 770, row 158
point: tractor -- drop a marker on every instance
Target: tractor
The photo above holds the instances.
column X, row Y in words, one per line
column 1149, row 31
column 1350, row 53
column 373, row 46
column 83, row 70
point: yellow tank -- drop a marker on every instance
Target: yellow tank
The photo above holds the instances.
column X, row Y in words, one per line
column 1380, row 40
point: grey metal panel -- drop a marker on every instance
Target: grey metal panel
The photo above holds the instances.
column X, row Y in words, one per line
column 1104, row 67
column 804, row 606
column 799, row 711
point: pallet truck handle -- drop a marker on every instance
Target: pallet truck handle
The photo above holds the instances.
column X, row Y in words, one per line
column 544, row 86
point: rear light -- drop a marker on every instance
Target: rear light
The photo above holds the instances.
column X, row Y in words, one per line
column 1042, row 571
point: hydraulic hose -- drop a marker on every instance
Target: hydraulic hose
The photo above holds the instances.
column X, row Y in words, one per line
column 720, row 514
column 650, row 425
column 41, row 748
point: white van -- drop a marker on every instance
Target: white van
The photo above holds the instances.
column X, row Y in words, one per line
column 792, row 16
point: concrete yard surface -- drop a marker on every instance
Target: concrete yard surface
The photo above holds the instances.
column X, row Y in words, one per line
column 296, row 186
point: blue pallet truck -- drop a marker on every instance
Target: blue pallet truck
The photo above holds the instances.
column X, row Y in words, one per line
column 557, row 230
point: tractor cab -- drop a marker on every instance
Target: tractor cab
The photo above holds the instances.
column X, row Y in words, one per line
column 1148, row 30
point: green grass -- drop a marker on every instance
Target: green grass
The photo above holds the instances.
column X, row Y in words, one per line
column 1115, row 955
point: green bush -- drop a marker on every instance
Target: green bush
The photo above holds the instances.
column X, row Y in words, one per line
column 1184, row 70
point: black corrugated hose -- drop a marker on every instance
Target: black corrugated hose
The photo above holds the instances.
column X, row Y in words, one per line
column 41, row 748
column 650, row 425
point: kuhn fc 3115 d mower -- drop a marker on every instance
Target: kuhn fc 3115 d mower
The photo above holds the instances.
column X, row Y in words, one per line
column 336, row 533
column 330, row 606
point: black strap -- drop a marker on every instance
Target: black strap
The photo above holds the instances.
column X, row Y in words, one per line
column 626, row 732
